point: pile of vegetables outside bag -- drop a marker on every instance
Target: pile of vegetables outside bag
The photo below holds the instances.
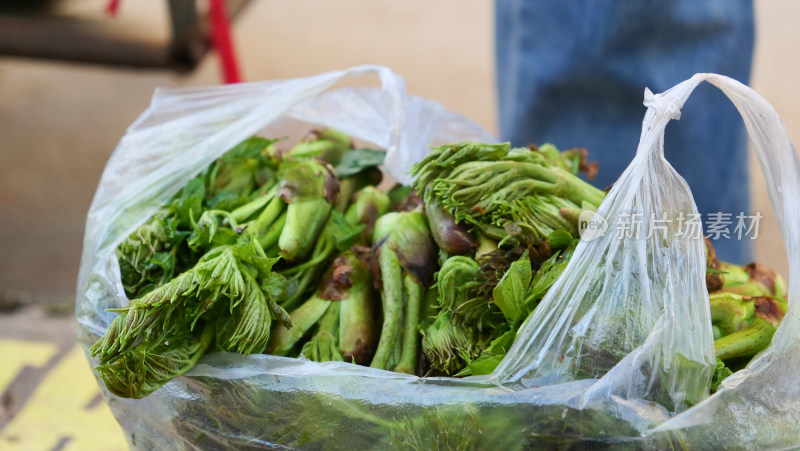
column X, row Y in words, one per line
column 298, row 253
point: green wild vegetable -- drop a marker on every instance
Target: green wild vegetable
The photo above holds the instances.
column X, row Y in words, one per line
column 451, row 237
column 449, row 346
column 324, row 345
column 755, row 333
column 231, row 290
column 368, row 205
column 240, row 172
column 263, row 232
column 340, row 232
column 303, row 318
column 358, row 325
column 721, row 372
column 405, row 255
column 324, row 145
column 359, row 160
column 504, row 193
column 309, row 188
column 455, row 282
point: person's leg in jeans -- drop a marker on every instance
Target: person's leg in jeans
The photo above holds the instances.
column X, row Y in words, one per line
column 573, row 73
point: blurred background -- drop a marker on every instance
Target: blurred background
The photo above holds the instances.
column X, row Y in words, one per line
column 60, row 121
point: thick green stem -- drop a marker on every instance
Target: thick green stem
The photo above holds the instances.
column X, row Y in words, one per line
column 306, row 273
column 273, row 251
column 357, row 322
column 270, row 238
column 397, row 349
column 249, row 209
column 730, row 312
column 411, row 336
column 733, row 275
column 323, row 346
column 353, row 186
column 746, row 342
column 305, row 218
column 303, row 318
column 751, row 289
column 392, row 300
column 268, row 215
column 369, row 205
column 322, row 250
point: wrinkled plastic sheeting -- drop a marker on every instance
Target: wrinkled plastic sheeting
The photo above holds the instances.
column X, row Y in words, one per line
column 758, row 407
column 185, row 129
column 639, row 309
column 262, row 401
column 618, row 348
column 631, row 308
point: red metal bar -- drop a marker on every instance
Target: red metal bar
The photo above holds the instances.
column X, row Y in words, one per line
column 112, row 7
column 221, row 40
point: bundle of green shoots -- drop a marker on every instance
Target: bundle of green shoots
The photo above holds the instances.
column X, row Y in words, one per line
column 747, row 305
column 505, row 221
column 298, row 253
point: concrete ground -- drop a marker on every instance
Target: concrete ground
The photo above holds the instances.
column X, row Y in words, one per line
column 59, row 122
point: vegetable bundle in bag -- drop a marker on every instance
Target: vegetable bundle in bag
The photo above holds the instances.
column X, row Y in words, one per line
column 619, row 351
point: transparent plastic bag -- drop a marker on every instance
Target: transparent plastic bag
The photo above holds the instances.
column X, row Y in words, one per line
column 618, row 354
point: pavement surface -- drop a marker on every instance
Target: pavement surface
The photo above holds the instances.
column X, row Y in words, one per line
column 59, row 123
column 49, row 398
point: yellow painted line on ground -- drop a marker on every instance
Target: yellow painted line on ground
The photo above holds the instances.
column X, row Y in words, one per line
column 62, row 413
column 17, row 354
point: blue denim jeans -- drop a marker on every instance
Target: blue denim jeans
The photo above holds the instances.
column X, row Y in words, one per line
column 573, row 73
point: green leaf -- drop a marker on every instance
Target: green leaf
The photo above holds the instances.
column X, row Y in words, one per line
column 208, row 232
column 190, row 202
column 559, row 239
column 356, row 160
column 274, row 286
column 509, row 294
column 224, row 200
column 324, row 346
column 442, row 160
column 491, row 356
column 546, row 276
column 720, row 373
column 310, row 149
column 163, row 260
column 343, row 233
column 249, row 148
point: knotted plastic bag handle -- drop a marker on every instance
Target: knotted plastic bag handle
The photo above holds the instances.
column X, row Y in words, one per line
column 758, row 406
column 633, row 314
column 776, row 156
